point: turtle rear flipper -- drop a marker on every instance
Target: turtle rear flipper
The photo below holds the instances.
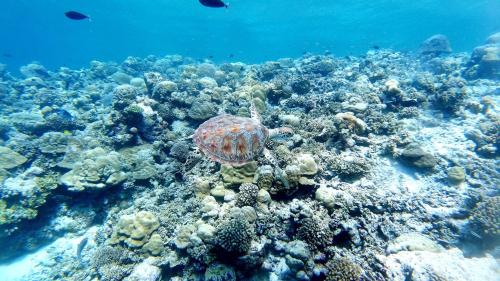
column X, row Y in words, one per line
column 279, row 173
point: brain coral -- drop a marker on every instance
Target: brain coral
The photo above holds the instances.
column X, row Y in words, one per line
column 135, row 230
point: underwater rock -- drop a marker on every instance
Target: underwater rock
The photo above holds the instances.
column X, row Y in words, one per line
column 55, row 142
column 151, row 79
column 435, row 45
column 34, row 70
column 331, row 197
column 135, row 230
column 456, row 174
column 163, row 90
column 306, row 164
column 202, row 110
column 23, row 196
column 60, row 120
column 298, row 249
column 415, row 156
column 486, row 218
column 10, row 159
column 98, row 169
column 123, row 96
column 413, row 242
column 121, row 78
column 144, row 271
column 446, row 265
column 485, row 60
column 140, row 161
column 219, row 272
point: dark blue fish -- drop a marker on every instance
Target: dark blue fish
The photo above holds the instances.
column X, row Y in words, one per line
column 213, row 3
column 76, row 15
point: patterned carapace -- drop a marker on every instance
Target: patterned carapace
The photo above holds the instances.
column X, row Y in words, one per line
column 231, row 139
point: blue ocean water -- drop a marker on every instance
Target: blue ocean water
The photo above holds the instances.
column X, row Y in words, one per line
column 249, row 31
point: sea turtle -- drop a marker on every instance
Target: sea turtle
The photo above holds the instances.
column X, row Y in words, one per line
column 235, row 140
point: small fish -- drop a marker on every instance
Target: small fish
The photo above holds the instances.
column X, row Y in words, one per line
column 7, row 55
column 76, row 15
column 213, row 3
column 231, row 55
column 376, row 47
column 80, row 247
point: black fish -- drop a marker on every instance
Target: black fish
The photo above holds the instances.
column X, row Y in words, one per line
column 76, row 15
column 213, row 3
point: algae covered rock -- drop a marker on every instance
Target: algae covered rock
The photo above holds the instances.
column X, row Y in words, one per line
column 486, row 218
column 140, row 162
column 135, row 230
column 55, row 142
column 144, row 271
column 155, row 245
column 202, row 110
column 413, row 242
column 306, row 164
column 238, row 175
column 23, row 195
column 98, row 169
column 456, row 174
column 10, row 159
column 220, row 272
column 435, row 45
column 414, row 155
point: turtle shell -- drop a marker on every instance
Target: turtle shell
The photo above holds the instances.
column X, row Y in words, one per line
column 231, row 139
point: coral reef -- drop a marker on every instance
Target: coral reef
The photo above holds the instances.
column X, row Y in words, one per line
column 391, row 172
